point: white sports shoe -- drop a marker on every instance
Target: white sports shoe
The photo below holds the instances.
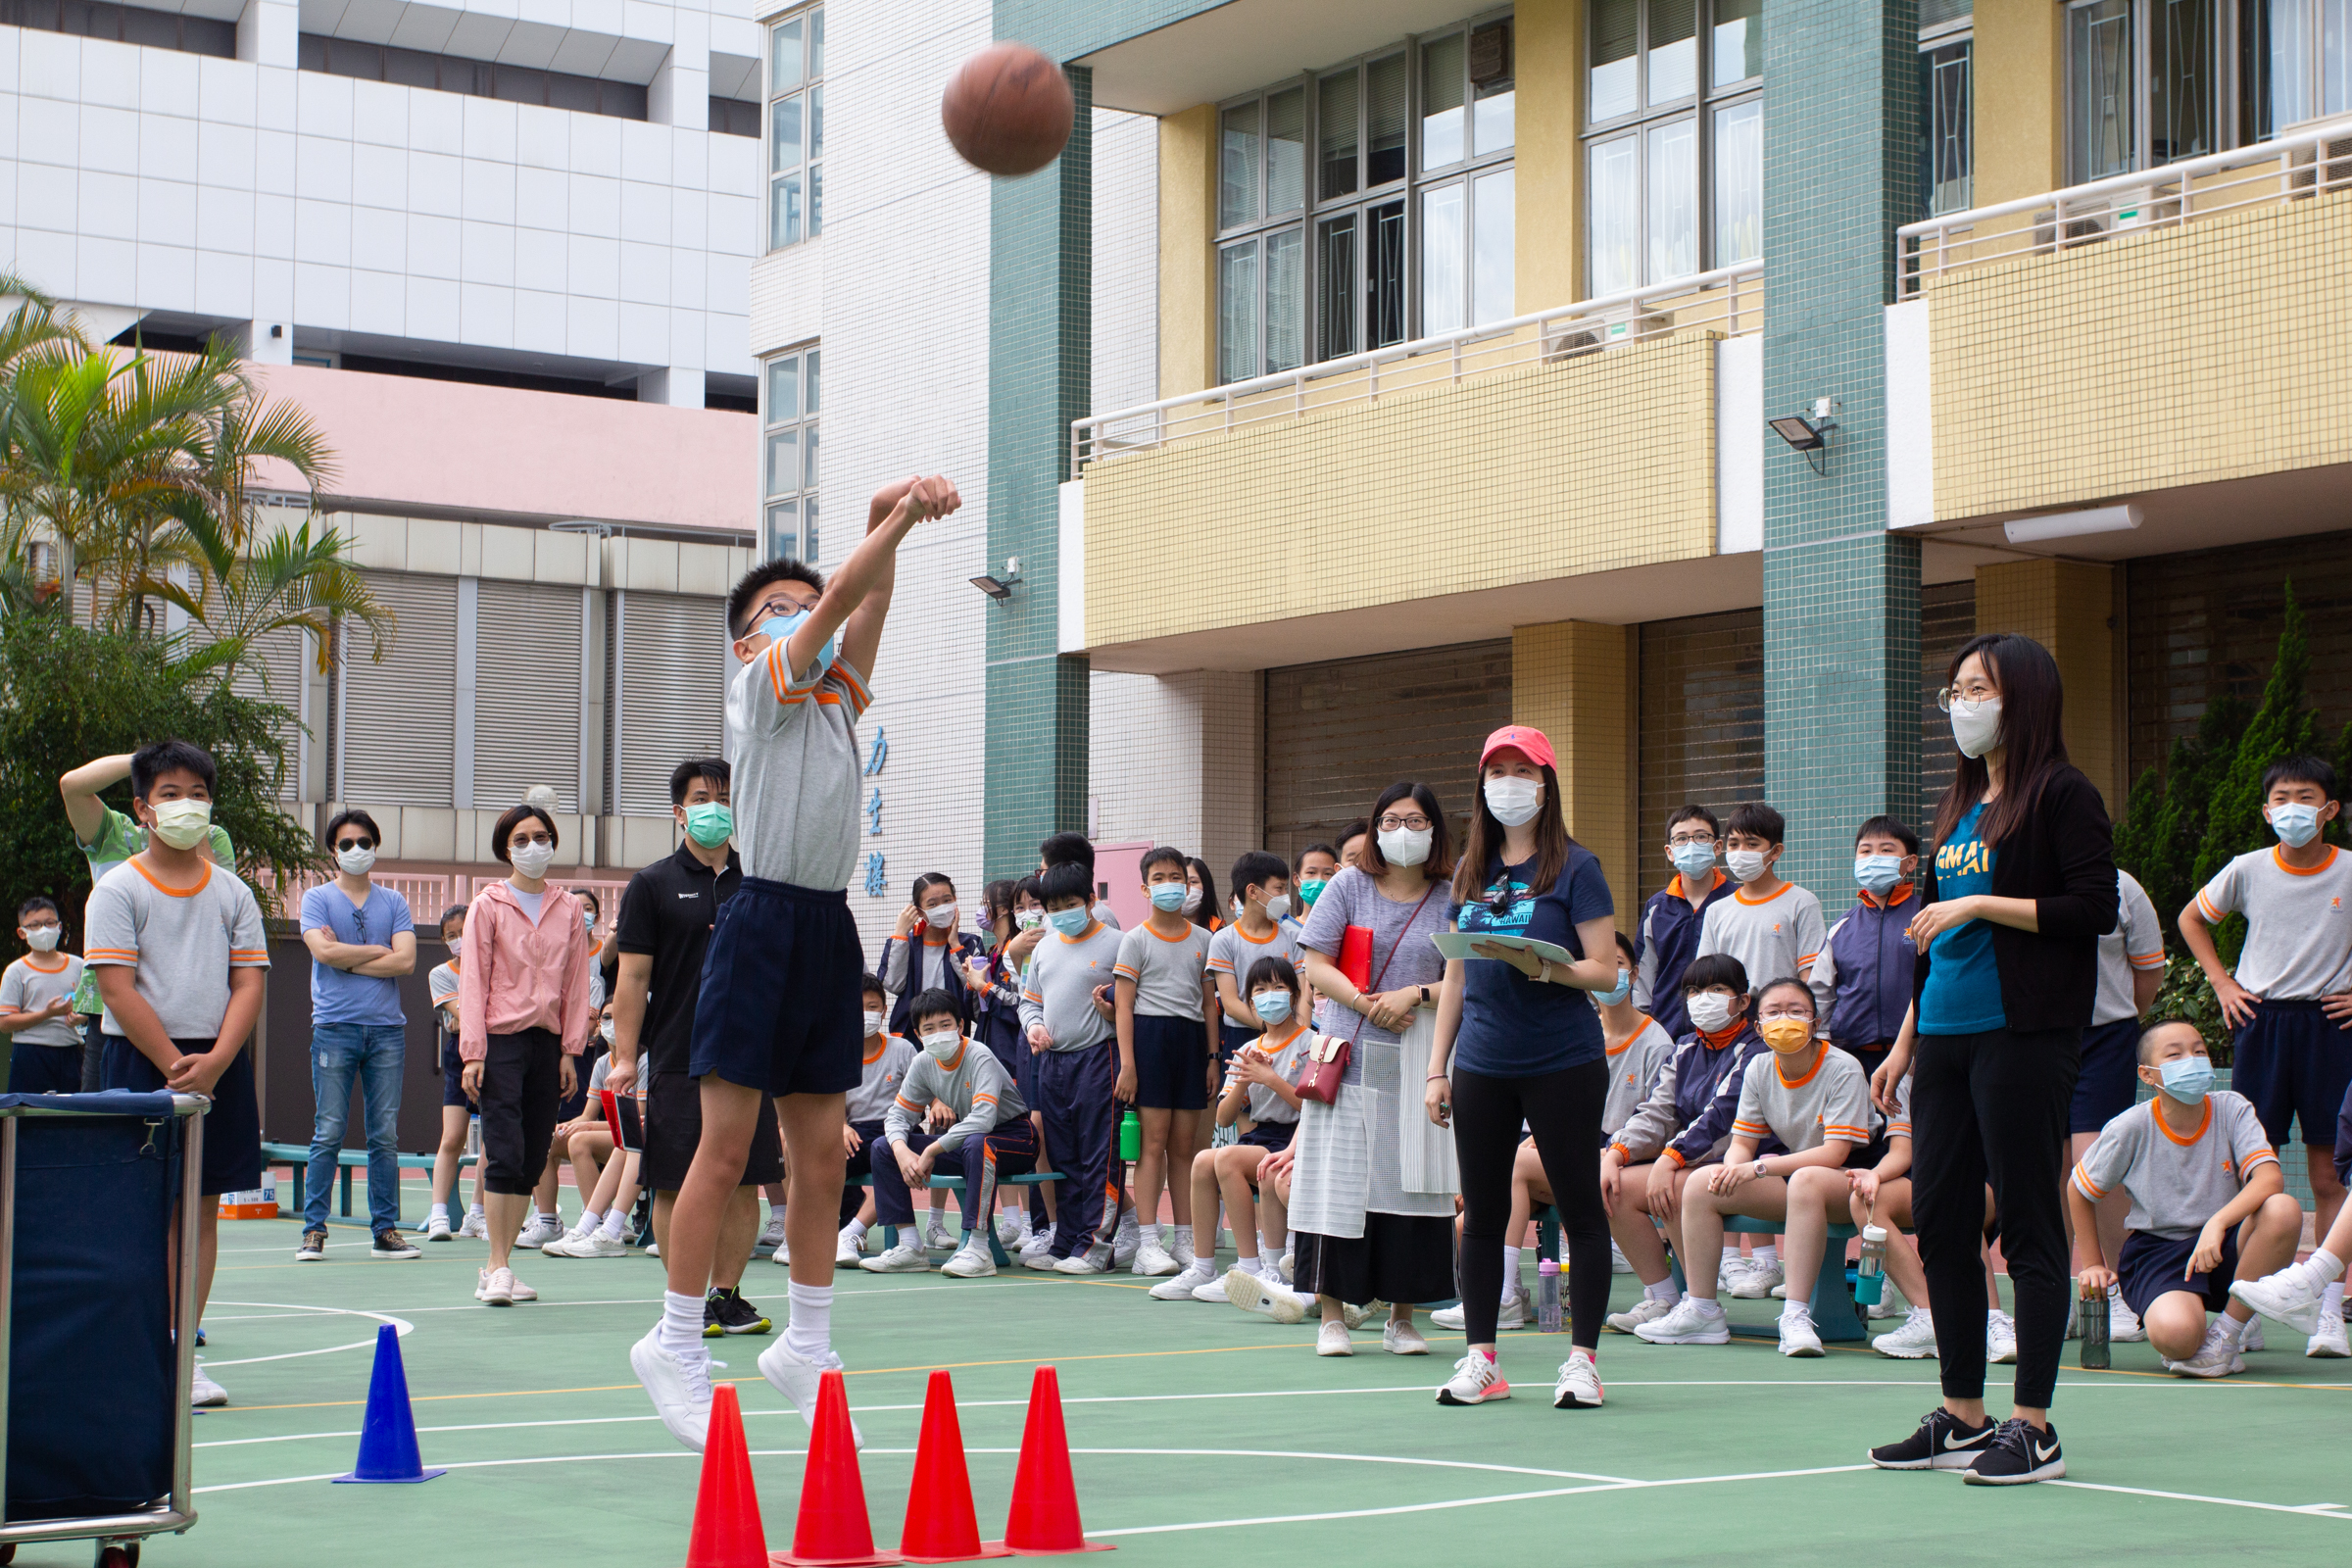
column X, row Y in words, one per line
column 1153, row 1260
column 1182, row 1287
column 1688, row 1323
column 903, row 1259
column 1729, row 1272
column 1578, row 1387
column 1649, row 1309
column 847, row 1250
column 595, row 1244
column 1617, row 1262
column 935, row 1232
column 539, row 1232
column 797, row 1380
column 1284, row 1269
column 2249, row 1338
column 1798, row 1337
column 1331, row 1339
column 1757, row 1280
column 1008, row 1227
column 1357, row 1317
column 678, row 1386
column 2328, row 1340
column 2217, row 1358
column 2291, row 1296
column 203, row 1390
column 436, row 1228
column 1253, row 1293
column 1127, row 1243
column 495, row 1286
column 476, row 1225
column 1513, row 1313
column 1086, row 1263
column 1476, row 1380
column 972, row 1260
column 519, row 1291
column 2122, row 1324
column 1214, row 1293
column 772, row 1237
column 1914, row 1340
column 2000, row 1337
column 1037, row 1245
column 1402, row 1339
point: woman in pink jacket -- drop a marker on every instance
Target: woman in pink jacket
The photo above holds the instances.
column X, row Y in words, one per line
column 523, row 1018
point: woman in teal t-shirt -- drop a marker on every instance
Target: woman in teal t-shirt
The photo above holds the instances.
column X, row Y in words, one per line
column 2019, row 890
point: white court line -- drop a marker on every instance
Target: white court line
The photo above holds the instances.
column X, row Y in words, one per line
column 2309, row 1510
column 400, row 1326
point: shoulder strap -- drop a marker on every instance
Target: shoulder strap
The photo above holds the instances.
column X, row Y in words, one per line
column 1382, row 973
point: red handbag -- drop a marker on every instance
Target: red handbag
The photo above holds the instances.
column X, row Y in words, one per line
column 1327, row 1058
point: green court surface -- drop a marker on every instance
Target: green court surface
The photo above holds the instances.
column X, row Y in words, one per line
column 1197, row 1429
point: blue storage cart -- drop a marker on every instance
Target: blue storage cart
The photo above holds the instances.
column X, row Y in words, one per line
column 97, row 1402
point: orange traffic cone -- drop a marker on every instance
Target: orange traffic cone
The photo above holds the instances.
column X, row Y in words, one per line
column 832, row 1531
column 940, row 1524
column 1044, row 1518
column 726, row 1511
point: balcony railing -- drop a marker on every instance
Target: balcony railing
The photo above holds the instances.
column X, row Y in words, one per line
column 2297, row 167
column 1730, row 300
column 428, row 895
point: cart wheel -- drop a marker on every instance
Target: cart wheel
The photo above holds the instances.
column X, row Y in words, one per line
column 119, row 1554
column 8, row 1553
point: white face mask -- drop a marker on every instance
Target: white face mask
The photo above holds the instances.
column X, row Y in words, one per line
column 940, row 919
column 183, row 824
column 1278, row 906
column 1406, row 846
column 873, row 1025
column 943, row 1044
column 1029, row 919
column 355, row 861
column 1745, row 865
column 532, row 860
column 603, row 1031
column 1192, row 900
column 457, row 945
column 1710, row 1012
column 1977, row 726
column 1514, row 801
column 43, row 938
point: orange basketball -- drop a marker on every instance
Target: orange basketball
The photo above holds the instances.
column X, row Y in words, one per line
column 1009, row 110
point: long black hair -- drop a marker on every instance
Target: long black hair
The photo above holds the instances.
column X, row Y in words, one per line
column 2032, row 738
column 1205, row 913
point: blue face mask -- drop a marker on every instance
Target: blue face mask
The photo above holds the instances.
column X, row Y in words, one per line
column 779, row 628
column 1272, row 1005
column 2296, row 824
column 1878, row 874
column 1168, row 896
column 1623, row 990
column 1070, row 922
column 1693, row 861
column 2188, row 1079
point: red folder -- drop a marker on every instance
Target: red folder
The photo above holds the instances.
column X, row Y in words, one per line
column 1355, row 956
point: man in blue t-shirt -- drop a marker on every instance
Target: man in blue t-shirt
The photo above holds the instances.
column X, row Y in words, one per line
column 361, row 938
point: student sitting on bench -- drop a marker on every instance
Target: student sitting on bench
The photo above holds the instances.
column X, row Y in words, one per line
column 991, row 1137
column 1881, row 1196
column 1815, row 1099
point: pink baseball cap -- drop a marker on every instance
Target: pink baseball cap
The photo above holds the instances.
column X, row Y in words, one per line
column 1519, row 737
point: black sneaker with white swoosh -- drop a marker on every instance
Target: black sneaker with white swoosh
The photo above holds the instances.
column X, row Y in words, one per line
column 2020, row 1452
column 1944, row 1441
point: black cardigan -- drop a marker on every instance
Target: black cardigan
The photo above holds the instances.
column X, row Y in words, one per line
column 2062, row 856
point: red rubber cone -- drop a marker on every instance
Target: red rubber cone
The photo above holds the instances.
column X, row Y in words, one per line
column 1043, row 1521
column 727, row 1511
column 832, row 1531
column 941, row 1523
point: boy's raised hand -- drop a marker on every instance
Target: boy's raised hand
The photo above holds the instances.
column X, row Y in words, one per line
column 934, row 497
column 2237, row 1003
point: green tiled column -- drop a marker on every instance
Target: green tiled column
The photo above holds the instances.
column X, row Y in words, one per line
column 1841, row 594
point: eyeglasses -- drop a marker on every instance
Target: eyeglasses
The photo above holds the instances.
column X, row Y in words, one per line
column 519, row 841
column 1500, row 897
column 353, row 844
column 1684, row 841
column 1978, row 693
column 781, row 604
column 1409, row 825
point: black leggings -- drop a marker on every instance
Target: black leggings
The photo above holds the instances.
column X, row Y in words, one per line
column 1563, row 1110
column 1991, row 1107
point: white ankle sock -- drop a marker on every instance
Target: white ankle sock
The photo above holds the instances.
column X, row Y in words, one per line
column 1765, row 1256
column 1251, row 1265
column 2325, row 1265
column 854, row 1230
column 440, row 1211
column 1663, row 1290
column 616, row 1225
column 1706, row 1303
column 2331, row 1299
column 681, row 1323
column 475, row 1211
column 590, row 1220
column 809, row 1334
column 1510, row 1270
column 1150, row 1234
column 1730, row 1252
column 1180, row 1237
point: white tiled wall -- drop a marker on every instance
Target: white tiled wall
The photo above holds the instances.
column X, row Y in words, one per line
column 1179, row 760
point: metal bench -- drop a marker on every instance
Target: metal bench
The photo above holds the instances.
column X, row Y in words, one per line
column 955, row 1184
column 1834, row 1316
column 296, row 1157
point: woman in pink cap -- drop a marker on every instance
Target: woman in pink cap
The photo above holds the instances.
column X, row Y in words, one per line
column 1518, row 1037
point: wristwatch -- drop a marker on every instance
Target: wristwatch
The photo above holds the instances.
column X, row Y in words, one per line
column 1424, row 989
column 1759, row 1168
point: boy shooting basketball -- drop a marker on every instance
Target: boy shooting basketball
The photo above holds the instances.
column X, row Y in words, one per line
column 779, row 1010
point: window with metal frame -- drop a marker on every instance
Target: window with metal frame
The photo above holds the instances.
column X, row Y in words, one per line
column 789, row 387
column 1673, row 141
column 1947, row 136
column 795, row 127
column 1400, row 224
column 2294, row 64
column 2142, row 84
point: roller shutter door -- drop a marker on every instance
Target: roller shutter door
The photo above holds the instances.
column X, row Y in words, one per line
column 1702, row 723
column 528, row 645
column 1338, row 734
column 668, row 702
column 397, row 728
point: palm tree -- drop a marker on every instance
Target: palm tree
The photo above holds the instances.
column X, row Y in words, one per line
column 296, row 578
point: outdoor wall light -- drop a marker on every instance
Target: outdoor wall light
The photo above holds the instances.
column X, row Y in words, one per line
column 2069, row 524
column 1001, row 588
column 1809, row 432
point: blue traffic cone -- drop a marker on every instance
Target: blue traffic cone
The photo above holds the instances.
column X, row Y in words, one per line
column 388, row 1432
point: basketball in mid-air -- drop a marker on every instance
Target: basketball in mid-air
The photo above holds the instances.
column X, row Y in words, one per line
column 1007, row 111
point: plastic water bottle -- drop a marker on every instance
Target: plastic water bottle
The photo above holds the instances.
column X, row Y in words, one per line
column 1130, row 1137
column 1547, row 1295
column 1870, row 1275
column 2090, row 1316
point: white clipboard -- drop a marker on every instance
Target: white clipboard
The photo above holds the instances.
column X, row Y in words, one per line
column 1457, row 944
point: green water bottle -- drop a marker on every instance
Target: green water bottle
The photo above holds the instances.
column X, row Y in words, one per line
column 1130, row 1137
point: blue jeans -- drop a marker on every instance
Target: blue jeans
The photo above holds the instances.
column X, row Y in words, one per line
column 372, row 1054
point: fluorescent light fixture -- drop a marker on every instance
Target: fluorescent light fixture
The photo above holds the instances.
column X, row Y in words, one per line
column 1001, row 588
column 2069, row 524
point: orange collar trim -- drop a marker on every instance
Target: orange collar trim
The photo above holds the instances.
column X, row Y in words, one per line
column 1608, row 1050
column 177, row 893
column 1724, row 1036
column 1675, row 886
column 1272, row 932
column 64, row 961
column 1742, row 897
column 2279, row 858
column 1821, row 1054
column 1901, row 893
column 2164, row 1127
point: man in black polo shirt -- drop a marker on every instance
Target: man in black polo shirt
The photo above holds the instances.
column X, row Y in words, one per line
column 665, row 919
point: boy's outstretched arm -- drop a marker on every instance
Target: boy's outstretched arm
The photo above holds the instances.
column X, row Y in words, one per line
column 80, row 787
column 858, row 595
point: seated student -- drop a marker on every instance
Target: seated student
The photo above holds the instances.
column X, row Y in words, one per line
column 2198, row 1167
column 587, row 1142
column 457, row 1106
column 37, row 1006
column 1259, row 1094
column 1814, row 1100
column 1684, row 1124
column 610, row 1203
column 1881, row 1196
column 1862, row 980
column 866, row 1109
column 2297, row 1295
column 1636, row 1050
column 1064, row 1012
column 989, row 1138
column 1025, row 1225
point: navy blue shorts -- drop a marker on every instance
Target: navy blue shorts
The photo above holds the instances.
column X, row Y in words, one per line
column 232, row 1128
column 2295, row 1065
column 38, row 1069
column 1232, row 1037
column 1271, row 1136
column 780, row 1011
column 1171, row 1063
column 2151, row 1265
column 453, row 1074
column 2110, row 1078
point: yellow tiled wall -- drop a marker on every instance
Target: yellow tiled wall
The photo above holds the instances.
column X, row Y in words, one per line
column 2069, row 608
column 2179, row 356
column 1529, row 475
column 1548, row 36
column 1573, row 680
column 1188, row 230
column 2018, row 82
